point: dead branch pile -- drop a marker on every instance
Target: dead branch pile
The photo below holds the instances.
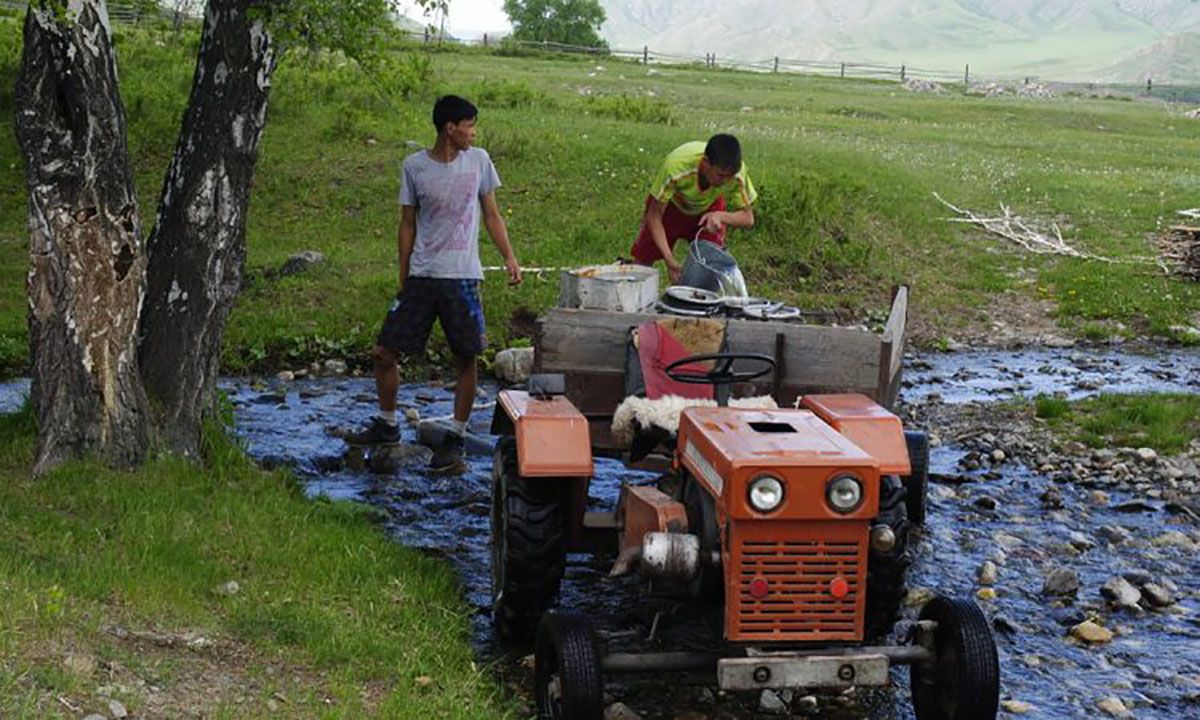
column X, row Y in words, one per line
column 1193, row 114
column 1026, row 233
column 1181, row 247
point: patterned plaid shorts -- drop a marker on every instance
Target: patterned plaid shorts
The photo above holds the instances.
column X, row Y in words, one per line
column 454, row 302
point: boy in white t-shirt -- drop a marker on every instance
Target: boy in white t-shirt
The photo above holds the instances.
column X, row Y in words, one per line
column 444, row 191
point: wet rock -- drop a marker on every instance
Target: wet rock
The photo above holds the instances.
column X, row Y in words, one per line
column 335, row 367
column 1113, row 707
column 1090, row 632
column 301, row 262
column 998, row 455
column 1133, row 506
column 1146, row 454
column 1002, row 623
column 918, row 596
column 412, row 415
column 985, row 502
column 1113, row 534
column 1060, row 581
column 988, row 573
column 1081, row 542
column 1099, row 497
column 285, row 376
column 986, row 594
column 513, row 365
column 808, row 705
column 1068, row 616
column 1173, row 538
column 620, row 711
column 770, row 703
column 1051, row 498
column 1121, row 593
column 1016, row 707
column 270, row 399
column 1157, row 595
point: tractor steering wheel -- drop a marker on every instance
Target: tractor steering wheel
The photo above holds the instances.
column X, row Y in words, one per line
column 722, row 372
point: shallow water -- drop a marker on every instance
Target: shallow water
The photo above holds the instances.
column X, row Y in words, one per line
column 1154, row 664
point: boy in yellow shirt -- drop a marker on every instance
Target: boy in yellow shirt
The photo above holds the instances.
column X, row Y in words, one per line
column 700, row 190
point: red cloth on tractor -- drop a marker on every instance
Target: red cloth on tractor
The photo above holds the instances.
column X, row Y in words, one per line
column 658, row 348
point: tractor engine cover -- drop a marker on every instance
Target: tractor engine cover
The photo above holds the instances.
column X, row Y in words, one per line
column 794, row 502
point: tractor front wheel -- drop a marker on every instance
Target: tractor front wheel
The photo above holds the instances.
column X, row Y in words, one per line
column 916, row 484
column 567, row 668
column 887, row 570
column 962, row 682
column 528, row 545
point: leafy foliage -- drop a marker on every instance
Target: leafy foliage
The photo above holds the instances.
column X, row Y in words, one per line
column 573, row 22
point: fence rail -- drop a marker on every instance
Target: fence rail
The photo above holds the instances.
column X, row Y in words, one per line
column 966, row 78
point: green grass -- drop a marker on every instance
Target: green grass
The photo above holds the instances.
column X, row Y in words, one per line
column 1167, row 423
column 845, row 171
column 323, row 590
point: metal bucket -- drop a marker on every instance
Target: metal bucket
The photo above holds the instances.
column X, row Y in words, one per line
column 710, row 267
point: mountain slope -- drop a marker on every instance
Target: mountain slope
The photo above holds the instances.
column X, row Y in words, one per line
column 1067, row 39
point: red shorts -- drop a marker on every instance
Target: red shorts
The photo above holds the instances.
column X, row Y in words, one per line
column 678, row 226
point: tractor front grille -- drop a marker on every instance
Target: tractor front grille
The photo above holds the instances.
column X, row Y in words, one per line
column 799, row 562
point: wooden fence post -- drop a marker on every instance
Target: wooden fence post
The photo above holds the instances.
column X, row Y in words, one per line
column 776, row 64
column 902, row 69
column 645, row 54
column 843, row 69
column 967, row 77
column 485, row 40
column 1149, row 86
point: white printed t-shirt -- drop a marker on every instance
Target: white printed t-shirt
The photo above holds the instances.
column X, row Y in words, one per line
column 447, row 200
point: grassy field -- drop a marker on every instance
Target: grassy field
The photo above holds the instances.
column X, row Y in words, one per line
column 1165, row 422
column 332, row 619
column 846, row 172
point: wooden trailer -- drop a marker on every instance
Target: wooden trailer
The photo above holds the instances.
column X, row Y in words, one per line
column 589, row 348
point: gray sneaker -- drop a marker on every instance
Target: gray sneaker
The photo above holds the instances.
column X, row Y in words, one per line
column 379, row 432
column 448, row 456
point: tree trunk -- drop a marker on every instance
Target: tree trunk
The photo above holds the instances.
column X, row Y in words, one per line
column 198, row 247
column 87, row 260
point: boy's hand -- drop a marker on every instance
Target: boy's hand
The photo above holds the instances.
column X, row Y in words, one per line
column 674, row 272
column 514, row 271
column 713, row 222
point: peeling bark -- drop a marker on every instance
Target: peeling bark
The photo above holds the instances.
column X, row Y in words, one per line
column 197, row 249
column 87, row 263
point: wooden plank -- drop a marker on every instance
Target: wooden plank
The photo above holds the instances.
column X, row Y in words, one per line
column 891, row 357
column 827, row 359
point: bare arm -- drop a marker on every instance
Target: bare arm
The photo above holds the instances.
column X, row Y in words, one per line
column 714, row 221
column 658, row 233
column 494, row 222
column 406, row 238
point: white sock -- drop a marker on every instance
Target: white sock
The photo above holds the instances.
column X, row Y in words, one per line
column 458, row 427
column 388, row 416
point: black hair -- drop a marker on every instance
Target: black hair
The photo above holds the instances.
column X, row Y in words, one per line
column 724, row 151
column 452, row 109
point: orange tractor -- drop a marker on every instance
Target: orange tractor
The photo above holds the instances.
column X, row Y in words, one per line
column 793, row 522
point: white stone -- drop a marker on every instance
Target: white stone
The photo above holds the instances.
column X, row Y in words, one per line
column 513, row 365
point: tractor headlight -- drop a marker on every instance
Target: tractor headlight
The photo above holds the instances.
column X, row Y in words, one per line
column 766, row 493
column 844, row 493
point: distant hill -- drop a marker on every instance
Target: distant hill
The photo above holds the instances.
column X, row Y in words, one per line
column 1175, row 59
column 1060, row 39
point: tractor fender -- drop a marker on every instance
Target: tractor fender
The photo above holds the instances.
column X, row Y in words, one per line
column 552, row 435
column 868, row 425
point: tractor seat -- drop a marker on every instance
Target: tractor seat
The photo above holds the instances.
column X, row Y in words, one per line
column 638, row 416
column 649, row 414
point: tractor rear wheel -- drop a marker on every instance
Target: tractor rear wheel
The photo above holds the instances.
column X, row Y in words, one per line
column 566, row 668
column 963, row 680
column 886, row 570
column 528, row 545
column 916, row 484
